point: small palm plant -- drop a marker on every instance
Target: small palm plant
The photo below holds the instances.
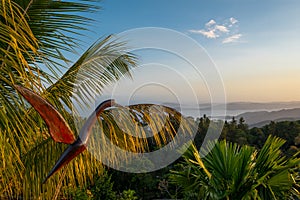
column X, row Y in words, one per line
column 230, row 171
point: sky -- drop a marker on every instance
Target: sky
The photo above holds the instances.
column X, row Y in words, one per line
column 253, row 45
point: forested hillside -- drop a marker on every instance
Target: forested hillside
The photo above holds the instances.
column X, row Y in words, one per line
column 157, row 184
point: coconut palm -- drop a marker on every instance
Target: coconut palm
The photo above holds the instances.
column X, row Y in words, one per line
column 230, row 171
column 35, row 36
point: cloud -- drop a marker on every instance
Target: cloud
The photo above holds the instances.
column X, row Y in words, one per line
column 221, row 28
column 227, row 31
column 210, row 23
column 233, row 20
column 233, row 38
column 209, row 34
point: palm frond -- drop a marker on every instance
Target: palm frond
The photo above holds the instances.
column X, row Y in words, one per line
column 238, row 172
column 45, row 152
column 32, row 37
column 56, row 25
column 104, row 62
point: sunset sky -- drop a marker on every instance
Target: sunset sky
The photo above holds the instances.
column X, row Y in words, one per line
column 254, row 44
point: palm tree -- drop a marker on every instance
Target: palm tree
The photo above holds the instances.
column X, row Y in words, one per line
column 230, row 171
column 35, row 35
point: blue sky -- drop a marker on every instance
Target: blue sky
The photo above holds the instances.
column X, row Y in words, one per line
column 255, row 44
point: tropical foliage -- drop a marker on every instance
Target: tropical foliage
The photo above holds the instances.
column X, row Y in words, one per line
column 35, row 36
column 238, row 131
column 230, row 171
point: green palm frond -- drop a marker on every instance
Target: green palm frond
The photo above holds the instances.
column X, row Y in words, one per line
column 56, row 25
column 101, row 64
column 239, row 172
column 274, row 170
column 18, row 45
column 104, row 62
column 43, row 155
column 34, row 36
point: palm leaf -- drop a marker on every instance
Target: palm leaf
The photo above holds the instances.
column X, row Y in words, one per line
column 55, row 24
column 82, row 169
column 33, row 36
column 104, row 62
column 239, row 172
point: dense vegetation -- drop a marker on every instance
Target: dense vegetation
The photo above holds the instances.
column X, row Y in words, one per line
column 161, row 184
column 35, row 38
column 230, row 171
column 237, row 131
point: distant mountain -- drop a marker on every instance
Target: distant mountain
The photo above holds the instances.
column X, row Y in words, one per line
column 255, row 113
column 239, row 105
column 261, row 124
column 255, row 105
column 261, row 118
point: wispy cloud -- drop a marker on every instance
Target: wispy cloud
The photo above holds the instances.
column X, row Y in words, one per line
column 209, row 34
column 210, row 23
column 233, row 38
column 221, row 28
column 227, row 31
column 233, row 20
